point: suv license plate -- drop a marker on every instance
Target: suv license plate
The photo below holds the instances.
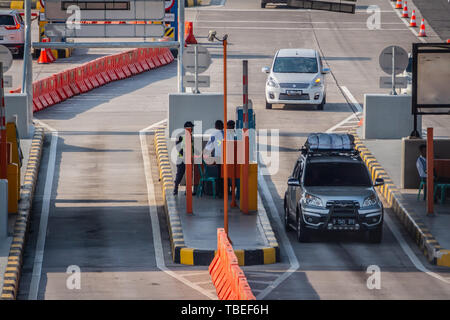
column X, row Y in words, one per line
column 344, row 222
column 294, row 92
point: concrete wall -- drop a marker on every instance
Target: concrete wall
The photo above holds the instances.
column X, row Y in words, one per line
column 388, row 117
column 410, row 152
column 16, row 104
column 205, row 107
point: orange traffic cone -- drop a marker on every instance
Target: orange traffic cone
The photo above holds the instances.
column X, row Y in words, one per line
column 422, row 29
column 405, row 10
column 448, row 40
column 412, row 23
column 46, row 55
column 399, row 4
column 189, row 33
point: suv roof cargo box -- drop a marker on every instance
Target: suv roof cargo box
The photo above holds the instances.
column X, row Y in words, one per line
column 330, row 141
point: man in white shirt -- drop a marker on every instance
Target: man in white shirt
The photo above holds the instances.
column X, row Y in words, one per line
column 421, row 162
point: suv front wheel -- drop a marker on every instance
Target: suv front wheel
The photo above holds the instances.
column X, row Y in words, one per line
column 303, row 234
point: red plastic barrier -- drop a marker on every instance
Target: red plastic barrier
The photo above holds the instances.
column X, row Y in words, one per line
column 72, row 76
column 100, row 71
column 37, row 104
column 59, row 86
column 79, row 80
column 110, row 68
column 91, row 75
column 135, row 60
column 149, row 58
column 51, row 83
column 141, row 59
column 124, row 64
column 155, row 58
column 46, row 92
column 65, row 84
column 118, row 66
column 226, row 275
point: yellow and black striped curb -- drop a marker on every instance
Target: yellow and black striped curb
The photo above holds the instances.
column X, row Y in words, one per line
column 406, row 213
column 191, row 256
column 15, row 258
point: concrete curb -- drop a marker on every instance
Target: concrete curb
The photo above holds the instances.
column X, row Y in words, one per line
column 191, row 256
column 413, row 223
column 15, row 258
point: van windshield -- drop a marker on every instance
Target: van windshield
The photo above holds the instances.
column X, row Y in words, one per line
column 295, row 65
column 336, row 174
column 7, row 20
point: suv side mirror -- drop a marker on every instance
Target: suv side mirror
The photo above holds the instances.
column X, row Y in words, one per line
column 378, row 182
column 325, row 70
column 265, row 70
column 293, row 182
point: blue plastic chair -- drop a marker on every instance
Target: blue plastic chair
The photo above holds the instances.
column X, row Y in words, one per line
column 443, row 187
column 204, row 177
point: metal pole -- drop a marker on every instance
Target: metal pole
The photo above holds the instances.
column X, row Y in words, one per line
column 430, row 172
column 3, row 140
column 188, row 164
column 27, row 78
column 393, row 72
column 196, row 69
column 225, row 171
column 181, row 47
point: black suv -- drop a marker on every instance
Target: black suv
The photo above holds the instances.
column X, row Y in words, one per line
column 331, row 190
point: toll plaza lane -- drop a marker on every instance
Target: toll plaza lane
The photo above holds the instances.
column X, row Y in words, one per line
column 335, row 266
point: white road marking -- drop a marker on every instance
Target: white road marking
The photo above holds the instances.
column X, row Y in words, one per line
column 40, row 245
column 289, row 22
column 346, row 120
column 411, row 255
column 159, row 253
column 305, row 28
column 293, row 261
column 352, row 99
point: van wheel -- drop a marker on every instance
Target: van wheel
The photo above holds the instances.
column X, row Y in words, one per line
column 268, row 105
column 376, row 235
column 303, row 234
column 322, row 104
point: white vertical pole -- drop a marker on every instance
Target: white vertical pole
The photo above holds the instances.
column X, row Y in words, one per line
column 181, row 48
column 196, row 68
column 27, row 78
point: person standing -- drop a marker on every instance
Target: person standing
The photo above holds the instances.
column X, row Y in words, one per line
column 181, row 166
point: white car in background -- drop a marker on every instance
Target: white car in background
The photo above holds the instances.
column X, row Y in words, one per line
column 12, row 31
column 296, row 77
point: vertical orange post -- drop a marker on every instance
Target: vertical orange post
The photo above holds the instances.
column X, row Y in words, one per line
column 188, row 163
column 225, row 111
column 246, row 124
column 430, row 172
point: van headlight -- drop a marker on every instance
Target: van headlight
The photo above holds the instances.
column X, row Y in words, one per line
column 272, row 83
column 317, row 82
column 313, row 200
column 370, row 201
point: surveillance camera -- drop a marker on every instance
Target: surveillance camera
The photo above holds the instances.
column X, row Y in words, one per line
column 212, row 35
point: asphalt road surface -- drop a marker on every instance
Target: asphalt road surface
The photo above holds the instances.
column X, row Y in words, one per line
column 93, row 208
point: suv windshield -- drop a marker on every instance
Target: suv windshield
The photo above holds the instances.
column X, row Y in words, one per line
column 336, row 174
column 295, row 65
column 7, row 20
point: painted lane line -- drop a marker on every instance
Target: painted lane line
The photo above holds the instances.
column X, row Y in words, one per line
column 333, row 128
column 408, row 251
column 293, row 261
column 352, row 99
column 157, row 242
column 291, row 22
column 305, row 28
column 45, row 210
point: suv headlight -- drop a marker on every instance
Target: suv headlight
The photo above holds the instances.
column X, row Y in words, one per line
column 272, row 83
column 313, row 200
column 370, row 201
column 317, row 82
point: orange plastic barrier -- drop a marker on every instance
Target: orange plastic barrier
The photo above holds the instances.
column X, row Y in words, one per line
column 226, row 275
column 66, row 84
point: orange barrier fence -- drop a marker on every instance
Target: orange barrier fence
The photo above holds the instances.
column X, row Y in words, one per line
column 226, row 275
column 66, row 84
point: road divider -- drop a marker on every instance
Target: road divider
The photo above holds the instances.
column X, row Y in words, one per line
column 226, row 275
column 66, row 84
